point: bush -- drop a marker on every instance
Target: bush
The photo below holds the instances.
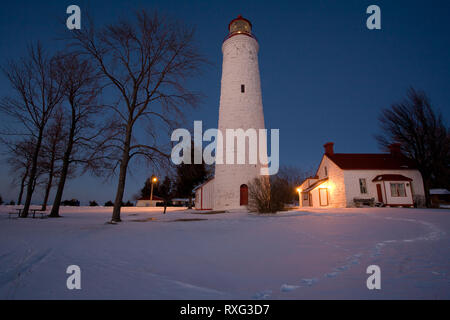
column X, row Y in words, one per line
column 268, row 195
column 12, row 203
column 71, row 203
column 124, row 204
column 1, row 200
column 109, row 204
column 127, row 204
column 259, row 195
column 419, row 201
column 93, row 203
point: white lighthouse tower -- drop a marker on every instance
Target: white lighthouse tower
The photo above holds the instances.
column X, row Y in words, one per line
column 240, row 108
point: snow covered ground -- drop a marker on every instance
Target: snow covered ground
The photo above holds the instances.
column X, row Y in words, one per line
column 293, row 255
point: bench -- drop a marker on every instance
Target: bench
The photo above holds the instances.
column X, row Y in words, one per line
column 18, row 212
column 32, row 211
column 359, row 202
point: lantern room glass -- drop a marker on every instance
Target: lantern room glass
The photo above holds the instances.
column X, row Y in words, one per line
column 240, row 26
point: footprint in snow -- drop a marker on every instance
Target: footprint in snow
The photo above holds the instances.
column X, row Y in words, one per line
column 309, row 282
column 263, row 295
column 342, row 268
column 288, row 288
column 331, row 274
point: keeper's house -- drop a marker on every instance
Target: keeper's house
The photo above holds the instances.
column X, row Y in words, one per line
column 349, row 180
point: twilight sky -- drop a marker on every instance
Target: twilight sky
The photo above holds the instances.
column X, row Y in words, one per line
column 325, row 76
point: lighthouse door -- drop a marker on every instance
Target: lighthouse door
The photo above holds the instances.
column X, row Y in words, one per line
column 244, row 195
column 379, row 193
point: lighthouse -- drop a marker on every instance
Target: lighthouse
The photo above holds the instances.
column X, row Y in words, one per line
column 240, row 108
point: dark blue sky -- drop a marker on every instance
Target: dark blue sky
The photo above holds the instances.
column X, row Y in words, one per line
column 325, row 76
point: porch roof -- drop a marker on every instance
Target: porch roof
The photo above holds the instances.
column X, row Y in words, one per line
column 315, row 185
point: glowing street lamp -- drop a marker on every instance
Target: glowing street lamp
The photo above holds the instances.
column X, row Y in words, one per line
column 154, row 180
column 299, row 190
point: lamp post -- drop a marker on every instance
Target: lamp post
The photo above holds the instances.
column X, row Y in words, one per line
column 154, row 180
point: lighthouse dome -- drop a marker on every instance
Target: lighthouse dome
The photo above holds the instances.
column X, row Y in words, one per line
column 240, row 25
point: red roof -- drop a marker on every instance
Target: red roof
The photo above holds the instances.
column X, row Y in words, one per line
column 391, row 177
column 153, row 198
column 371, row 161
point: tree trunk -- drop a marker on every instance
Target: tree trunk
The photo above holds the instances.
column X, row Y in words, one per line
column 32, row 177
column 426, row 186
column 34, row 184
column 47, row 191
column 190, row 202
column 120, row 188
column 122, row 177
column 50, row 181
column 22, row 187
column 62, row 181
column 64, row 170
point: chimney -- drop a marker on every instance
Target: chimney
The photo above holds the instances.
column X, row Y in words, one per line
column 395, row 149
column 329, row 148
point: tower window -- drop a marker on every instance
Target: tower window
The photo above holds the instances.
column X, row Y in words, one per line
column 363, row 186
column 242, row 88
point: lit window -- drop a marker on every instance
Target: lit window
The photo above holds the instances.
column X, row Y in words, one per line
column 242, row 88
column 362, row 186
column 398, row 190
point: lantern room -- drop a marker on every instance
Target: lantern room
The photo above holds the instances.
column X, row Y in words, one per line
column 240, row 25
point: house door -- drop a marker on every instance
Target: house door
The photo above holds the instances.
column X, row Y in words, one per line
column 323, row 197
column 379, row 193
column 244, row 195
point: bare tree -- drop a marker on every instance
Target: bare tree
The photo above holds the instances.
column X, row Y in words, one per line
column 80, row 90
column 294, row 176
column 165, row 191
column 423, row 137
column 52, row 146
column 23, row 178
column 37, row 93
column 268, row 194
column 146, row 61
column 259, row 195
column 19, row 155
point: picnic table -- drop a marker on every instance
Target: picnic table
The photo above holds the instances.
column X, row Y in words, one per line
column 33, row 212
column 18, row 212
